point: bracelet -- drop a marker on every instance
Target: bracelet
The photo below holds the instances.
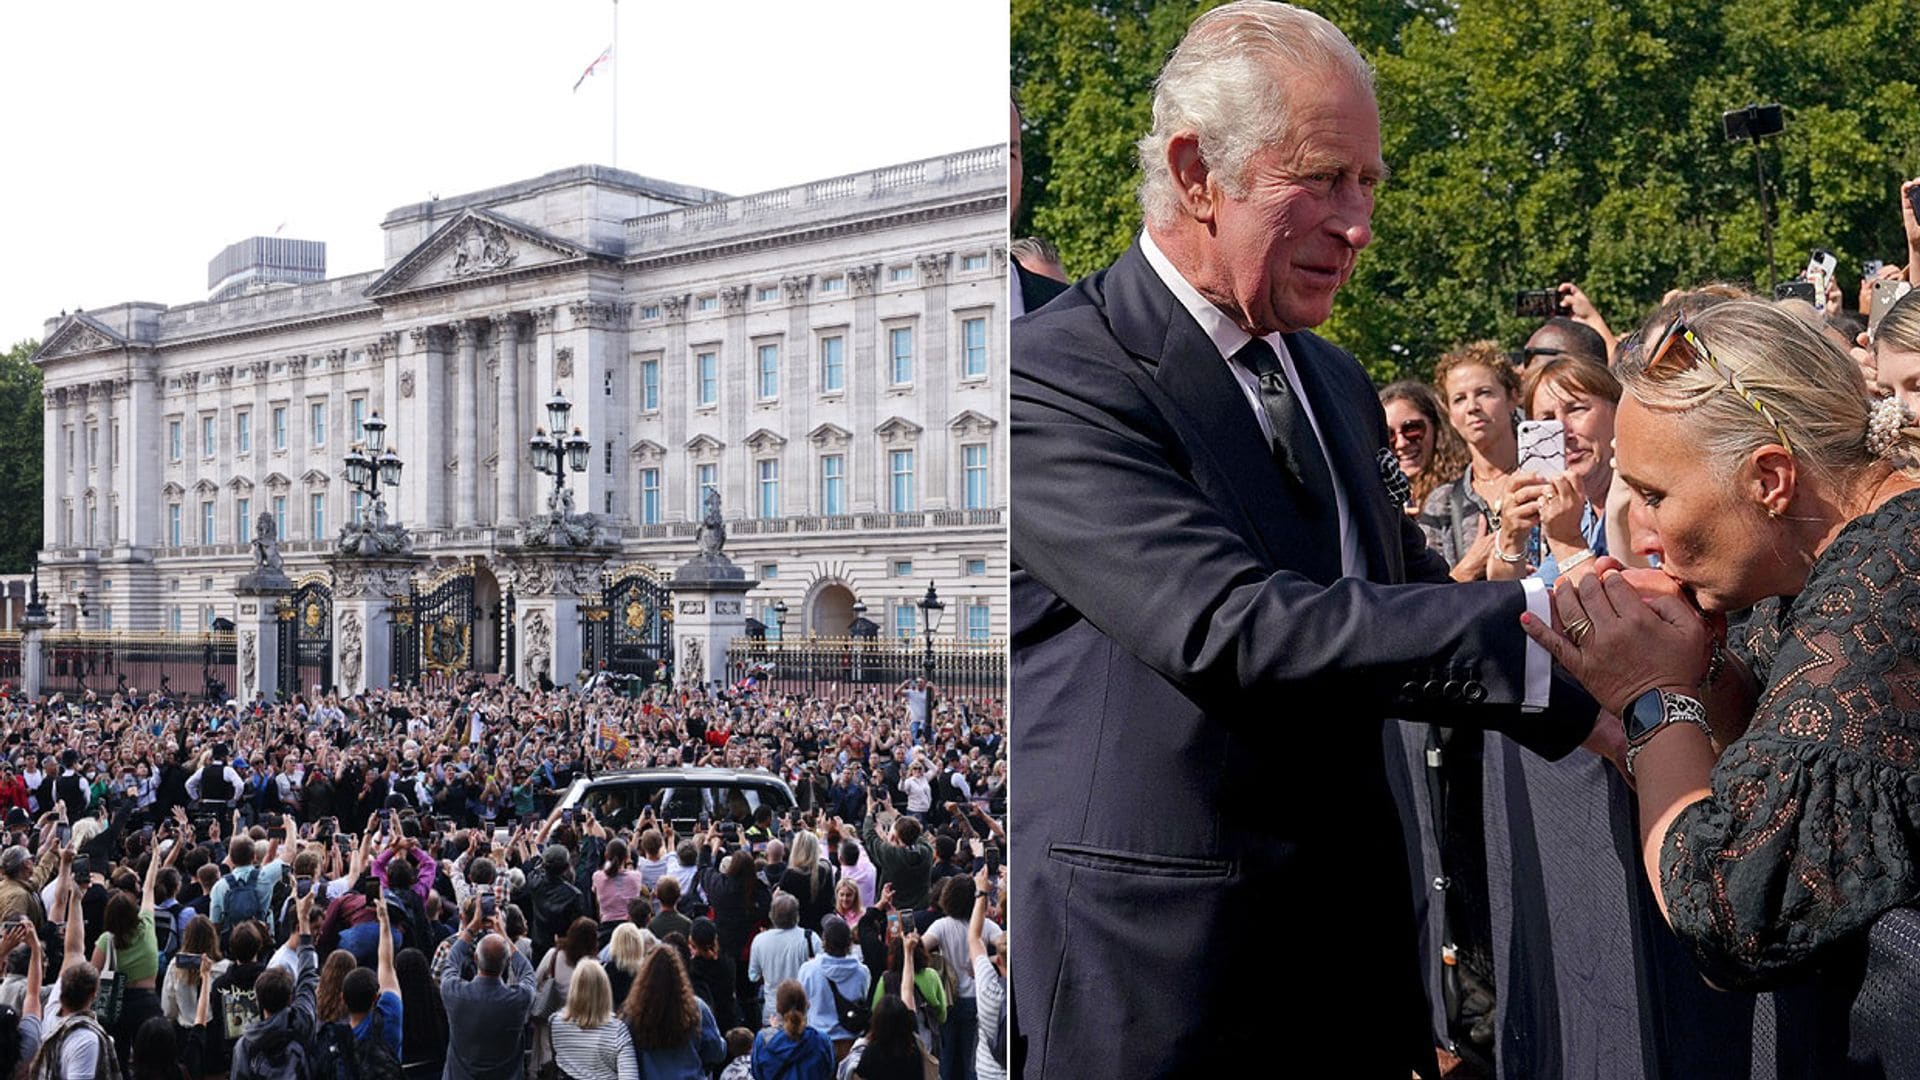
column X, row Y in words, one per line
column 1576, row 559
column 1685, row 711
column 1510, row 560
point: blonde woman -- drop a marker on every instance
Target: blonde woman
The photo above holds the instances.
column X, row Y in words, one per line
column 809, row 879
column 625, row 953
column 587, row 1043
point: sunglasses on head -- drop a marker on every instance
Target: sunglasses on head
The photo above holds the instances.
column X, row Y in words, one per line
column 1678, row 349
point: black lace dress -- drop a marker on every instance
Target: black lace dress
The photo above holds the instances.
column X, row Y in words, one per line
column 1810, row 830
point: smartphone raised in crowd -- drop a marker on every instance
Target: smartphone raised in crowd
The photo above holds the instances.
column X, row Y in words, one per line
column 1543, row 448
column 1538, row 303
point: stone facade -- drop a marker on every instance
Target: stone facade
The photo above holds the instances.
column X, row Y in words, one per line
column 831, row 357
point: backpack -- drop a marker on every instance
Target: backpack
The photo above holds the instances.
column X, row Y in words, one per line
column 243, row 901
column 291, row 1063
column 166, row 932
column 853, row 1014
column 338, row 1055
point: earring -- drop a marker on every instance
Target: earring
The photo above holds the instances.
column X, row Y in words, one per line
column 1772, row 513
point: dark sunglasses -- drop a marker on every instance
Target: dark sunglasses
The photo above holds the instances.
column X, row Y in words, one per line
column 1678, row 349
column 1413, row 429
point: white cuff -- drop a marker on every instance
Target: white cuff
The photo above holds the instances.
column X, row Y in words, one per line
column 1539, row 670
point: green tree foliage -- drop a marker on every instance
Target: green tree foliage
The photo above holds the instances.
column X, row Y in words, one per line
column 21, row 454
column 1532, row 141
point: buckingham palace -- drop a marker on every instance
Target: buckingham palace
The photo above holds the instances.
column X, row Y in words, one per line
column 830, row 358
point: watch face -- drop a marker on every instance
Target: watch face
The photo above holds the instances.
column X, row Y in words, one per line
column 1644, row 716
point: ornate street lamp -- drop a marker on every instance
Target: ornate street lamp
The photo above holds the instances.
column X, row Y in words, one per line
column 930, row 609
column 780, row 619
column 371, row 466
column 553, row 454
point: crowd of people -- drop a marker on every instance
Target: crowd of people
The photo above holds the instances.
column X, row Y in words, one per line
column 1738, row 377
column 398, row 884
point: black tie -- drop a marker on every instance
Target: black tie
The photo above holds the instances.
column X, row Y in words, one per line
column 1294, row 445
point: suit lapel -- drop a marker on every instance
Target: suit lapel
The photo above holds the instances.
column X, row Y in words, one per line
column 1354, row 454
column 1152, row 325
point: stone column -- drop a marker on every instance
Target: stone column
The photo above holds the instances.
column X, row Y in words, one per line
column 53, row 401
column 506, row 335
column 362, row 622
column 677, row 403
column 933, row 380
column 870, row 375
column 466, row 507
column 109, row 528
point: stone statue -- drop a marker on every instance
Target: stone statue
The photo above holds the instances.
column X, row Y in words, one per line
column 266, row 545
column 712, row 533
column 351, row 643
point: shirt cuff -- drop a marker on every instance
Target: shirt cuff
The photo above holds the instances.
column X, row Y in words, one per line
column 1539, row 670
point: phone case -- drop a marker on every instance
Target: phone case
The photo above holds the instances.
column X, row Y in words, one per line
column 1543, row 448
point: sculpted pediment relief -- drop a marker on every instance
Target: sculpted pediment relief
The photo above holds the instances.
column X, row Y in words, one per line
column 476, row 244
column 81, row 333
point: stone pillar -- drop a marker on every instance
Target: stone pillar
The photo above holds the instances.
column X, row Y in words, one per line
column 548, row 584
column 513, row 449
column 709, row 613
column 362, row 622
column 33, row 661
column 466, row 510
column 869, row 375
column 257, row 625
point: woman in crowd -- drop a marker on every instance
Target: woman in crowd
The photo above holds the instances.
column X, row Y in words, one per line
column 889, row 1050
column 197, row 962
column 792, row 1049
column 129, row 946
column 809, row 879
column 625, row 954
column 588, row 1043
column 1427, row 449
column 1894, row 350
column 616, row 883
column 327, row 1003
column 423, row 1037
column 1582, row 396
column 1773, row 769
column 1464, row 519
column 846, row 903
column 911, row 975
column 674, row 1033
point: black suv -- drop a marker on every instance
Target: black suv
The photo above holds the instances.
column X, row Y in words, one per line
column 684, row 796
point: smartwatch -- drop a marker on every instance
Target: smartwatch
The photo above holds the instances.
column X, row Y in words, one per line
column 1653, row 711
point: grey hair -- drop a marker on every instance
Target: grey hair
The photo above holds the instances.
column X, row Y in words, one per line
column 1223, row 83
column 1813, row 390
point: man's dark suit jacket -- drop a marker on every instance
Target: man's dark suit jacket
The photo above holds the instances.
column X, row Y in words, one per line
column 1208, row 867
column 1035, row 289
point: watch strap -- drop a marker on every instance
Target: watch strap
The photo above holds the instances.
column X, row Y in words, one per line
column 1677, row 709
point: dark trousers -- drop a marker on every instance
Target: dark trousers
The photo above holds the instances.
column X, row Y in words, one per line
column 139, row 1005
column 957, row 1038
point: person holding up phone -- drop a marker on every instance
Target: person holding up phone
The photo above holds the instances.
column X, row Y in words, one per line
column 1486, row 518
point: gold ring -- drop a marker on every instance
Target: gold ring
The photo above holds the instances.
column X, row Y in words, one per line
column 1578, row 630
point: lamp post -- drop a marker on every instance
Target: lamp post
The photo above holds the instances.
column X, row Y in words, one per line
column 930, row 609
column 553, row 454
column 375, row 467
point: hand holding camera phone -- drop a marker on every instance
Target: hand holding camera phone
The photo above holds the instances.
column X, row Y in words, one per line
column 1540, row 304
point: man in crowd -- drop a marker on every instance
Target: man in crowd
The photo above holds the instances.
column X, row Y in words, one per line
column 487, row 1014
column 1205, row 617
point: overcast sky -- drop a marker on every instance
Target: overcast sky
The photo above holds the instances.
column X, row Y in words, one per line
column 144, row 137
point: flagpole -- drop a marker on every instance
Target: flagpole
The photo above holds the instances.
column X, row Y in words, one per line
column 616, row 83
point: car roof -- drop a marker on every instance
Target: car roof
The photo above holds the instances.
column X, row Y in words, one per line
column 691, row 773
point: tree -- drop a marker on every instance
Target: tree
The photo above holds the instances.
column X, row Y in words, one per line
column 1531, row 142
column 21, row 456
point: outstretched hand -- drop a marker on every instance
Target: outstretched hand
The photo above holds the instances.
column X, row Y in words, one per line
column 1618, row 644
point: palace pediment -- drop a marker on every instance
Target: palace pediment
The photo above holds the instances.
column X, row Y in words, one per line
column 81, row 333
column 476, row 245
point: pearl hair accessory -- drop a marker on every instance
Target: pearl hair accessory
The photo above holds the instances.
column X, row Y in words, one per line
column 1885, row 422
